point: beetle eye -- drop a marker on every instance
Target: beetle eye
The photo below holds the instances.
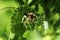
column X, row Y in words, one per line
column 25, row 13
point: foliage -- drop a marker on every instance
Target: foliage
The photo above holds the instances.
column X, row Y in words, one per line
column 48, row 10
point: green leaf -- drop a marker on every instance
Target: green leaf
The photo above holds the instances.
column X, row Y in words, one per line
column 34, row 35
column 26, row 34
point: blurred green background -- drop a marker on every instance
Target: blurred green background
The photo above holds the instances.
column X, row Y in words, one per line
column 5, row 17
column 53, row 19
